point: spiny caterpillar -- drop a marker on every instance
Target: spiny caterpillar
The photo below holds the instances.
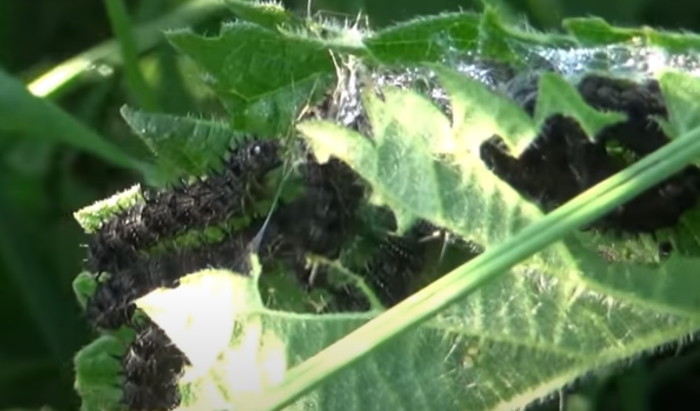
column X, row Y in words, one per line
column 164, row 213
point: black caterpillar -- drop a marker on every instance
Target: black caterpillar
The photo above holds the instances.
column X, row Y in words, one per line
column 562, row 162
column 112, row 304
column 317, row 221
column 151, row 368
column 165, row 213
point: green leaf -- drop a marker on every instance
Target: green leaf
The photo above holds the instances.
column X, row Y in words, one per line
column 507, row 42
column 681, row 92
column 84, row 287
column 668, row 287
column 557, row 96
column 594, row 31
column 494, row 38
column 98, row 371
column 674, row 42
column 270, row 15
column 183, row 145
column 402, row 166
column 591, row 31
column 480, row 114
column 264, row 77
column 93, row 216
column 425, row 39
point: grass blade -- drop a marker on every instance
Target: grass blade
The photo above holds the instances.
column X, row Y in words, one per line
column 66, row 74
column 128, row 48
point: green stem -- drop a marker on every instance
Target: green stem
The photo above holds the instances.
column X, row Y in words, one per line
column 121, row 27
column 583, row 209
column 65, row 75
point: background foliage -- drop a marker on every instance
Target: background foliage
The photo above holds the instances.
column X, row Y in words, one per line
column 42, row 181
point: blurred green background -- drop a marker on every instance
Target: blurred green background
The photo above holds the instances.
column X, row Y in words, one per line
column 43, row 181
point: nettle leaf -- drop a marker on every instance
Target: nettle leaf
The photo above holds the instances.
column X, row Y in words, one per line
column 479, row 114
column 419, row 167
column 271, row 15
column 507, row 42
column 680, row 92
column 84, row 287
column 594, row 31
column 98, row 370
column 93, row 216
column 425, row 39
column 684, row 238
column 245, row 347
column 547, row 321
column 494, row 37
column 264, row 77
column 591, row 31
column 557, row 96
column 254, row 346
column 183, row 146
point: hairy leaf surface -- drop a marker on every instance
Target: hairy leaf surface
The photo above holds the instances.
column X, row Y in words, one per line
column 183, row 146
column 262, row 76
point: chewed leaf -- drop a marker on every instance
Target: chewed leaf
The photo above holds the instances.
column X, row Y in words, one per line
column 550, row 319
column 419, row 167
column 187, row 325
column 533, row 328
column 233, row 355
column 479, row 114
column 444, row 361
column 557, row 96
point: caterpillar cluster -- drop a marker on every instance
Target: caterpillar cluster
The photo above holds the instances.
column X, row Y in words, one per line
column 317, row 221
column 562, row 162
column 118, row 247
column 164, row 213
